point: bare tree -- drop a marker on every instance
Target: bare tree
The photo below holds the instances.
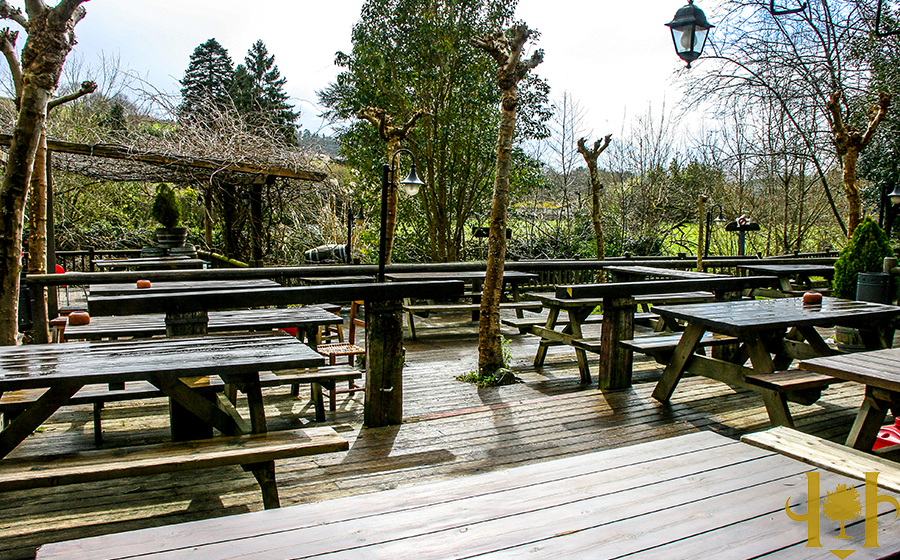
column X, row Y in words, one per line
column 51, row 35
column 590, row 157
column 506, row 49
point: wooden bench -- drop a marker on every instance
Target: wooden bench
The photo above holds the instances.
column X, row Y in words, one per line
column 797, row 385
column 661, row 346
column 423, row 309
column 828, row 455
column 526, row 323
column 13, row 402
column 254, row 452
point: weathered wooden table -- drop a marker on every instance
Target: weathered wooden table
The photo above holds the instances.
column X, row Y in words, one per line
column 761, row 326
column 306, row 320
column 626, row 273
column 695, row 496
column 880, row 372
column 788, row 272
column 96, row 290
column 149, row 263
column 65, row 368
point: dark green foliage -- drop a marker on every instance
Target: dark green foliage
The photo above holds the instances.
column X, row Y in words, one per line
column 114, row 120
column 865, row 252
column 166, row 208
column 207, row 82
column 258, row 93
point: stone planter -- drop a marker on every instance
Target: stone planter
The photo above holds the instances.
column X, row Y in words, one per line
column 169, row 238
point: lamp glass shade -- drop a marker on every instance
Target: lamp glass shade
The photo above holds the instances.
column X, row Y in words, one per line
column 412, row 183
column 895, row 195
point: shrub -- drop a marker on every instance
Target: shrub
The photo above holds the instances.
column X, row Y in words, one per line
column 865, row 252
column 166, row 208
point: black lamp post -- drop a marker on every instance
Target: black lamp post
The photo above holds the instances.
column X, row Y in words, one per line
column 719, row 219
column 410, row 186
column 886, row 210
column 689, row 30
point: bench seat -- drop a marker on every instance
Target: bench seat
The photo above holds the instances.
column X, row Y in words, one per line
column 661, row 345
column 424, row 309
column 803, row 387
column 14, row 402
column 255, row 452
column 827, row 455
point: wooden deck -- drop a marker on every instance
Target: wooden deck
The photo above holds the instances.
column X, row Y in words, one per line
column 451, row 429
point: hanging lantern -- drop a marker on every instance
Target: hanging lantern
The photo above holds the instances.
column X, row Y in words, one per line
column 689, row 30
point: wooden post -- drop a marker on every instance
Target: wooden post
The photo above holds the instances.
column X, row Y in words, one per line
column 384, row 364
column 183, row 424
column 615, row 360
column 701, row 224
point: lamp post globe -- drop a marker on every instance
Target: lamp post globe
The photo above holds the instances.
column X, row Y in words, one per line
column 689, row 30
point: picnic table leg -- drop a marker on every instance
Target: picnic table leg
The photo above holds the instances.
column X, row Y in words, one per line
column 265, row 476
column 616, row 361
column 541, row 353
column 195, row 415
column 384, row 367
column 576, row 317
column 675, row 368
column 30, row 420
column 870, row 418
column 776, row 402
column 313, row 339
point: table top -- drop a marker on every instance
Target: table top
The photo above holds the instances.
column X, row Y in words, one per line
column 154, row 324
column 150, row 262
column 43, row 365
column 736, row 317
column 878, row 368
column 170, row 287
column 824, row 270
column 700, row 495
column 510, row 276
column 661, row 272
column 550, row 300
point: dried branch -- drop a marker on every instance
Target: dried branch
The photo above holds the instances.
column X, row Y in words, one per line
column 86, row 88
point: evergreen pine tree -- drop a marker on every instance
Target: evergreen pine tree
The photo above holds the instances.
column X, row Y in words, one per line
column 258, row 93
column 207, row 81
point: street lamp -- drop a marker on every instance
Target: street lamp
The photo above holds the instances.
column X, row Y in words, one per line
column 410, row 186
column 719, row 219
column 886, row 214
column 689, row 30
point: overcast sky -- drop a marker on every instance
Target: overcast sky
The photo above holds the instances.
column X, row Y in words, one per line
column 615, row 58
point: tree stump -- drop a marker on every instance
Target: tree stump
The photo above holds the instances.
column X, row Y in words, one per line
column 384, row 364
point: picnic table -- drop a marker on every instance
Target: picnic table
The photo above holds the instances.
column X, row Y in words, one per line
column 95, row 290
column 627, row 272
column 475, row 279
column 150, row 263
column 760, row 327
column 700, row 495
column 306, row 320
column 880, row 372
column 63, row 369
column 789, row 274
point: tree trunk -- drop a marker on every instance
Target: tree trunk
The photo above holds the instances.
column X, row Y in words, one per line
column 506, row 51
column 851, row 188
column 37, row 241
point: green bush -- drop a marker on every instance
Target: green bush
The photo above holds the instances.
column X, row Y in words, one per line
column 865, row 252
column 166, row 208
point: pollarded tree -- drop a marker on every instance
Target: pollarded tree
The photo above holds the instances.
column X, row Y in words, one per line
column 590, row 156
column 258, row 93
column 417, row 54
column 207, row 81
column 506, row 48
column 51, row 35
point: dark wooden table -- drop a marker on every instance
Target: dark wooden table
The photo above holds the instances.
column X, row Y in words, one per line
column 96, row 290
column 880, row 372
column 150, row 263
column 760, row 326
column 700, row 495
column 65, row 368
column 801, row 273
column 625, row 273
column 306, row 320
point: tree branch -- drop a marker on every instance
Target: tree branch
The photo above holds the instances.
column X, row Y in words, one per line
column 15, row 14
column 66, row 10
column 86, row 88
column 8, row 47
column 34, row 7
column 879, row 112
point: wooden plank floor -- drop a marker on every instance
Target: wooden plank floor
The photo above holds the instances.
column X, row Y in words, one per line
column 451, row 429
